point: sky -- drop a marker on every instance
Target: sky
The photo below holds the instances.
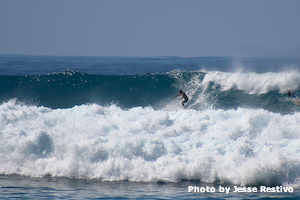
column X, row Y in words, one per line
column 140, row 28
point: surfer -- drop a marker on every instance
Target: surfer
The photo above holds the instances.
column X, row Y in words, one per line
column 183, row 97
column 291, row 94
column 293, row 97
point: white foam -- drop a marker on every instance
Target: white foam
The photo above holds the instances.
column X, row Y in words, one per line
column 254, row 83
column 240, row 146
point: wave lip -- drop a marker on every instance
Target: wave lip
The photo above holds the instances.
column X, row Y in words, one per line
column 243, row 146
column 254, row 83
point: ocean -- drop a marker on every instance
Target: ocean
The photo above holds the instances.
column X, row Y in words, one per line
column 75, row 127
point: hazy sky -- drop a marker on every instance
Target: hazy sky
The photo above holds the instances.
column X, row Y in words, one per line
column 150, row 28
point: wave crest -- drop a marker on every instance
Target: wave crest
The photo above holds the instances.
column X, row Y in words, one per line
column 254, row 83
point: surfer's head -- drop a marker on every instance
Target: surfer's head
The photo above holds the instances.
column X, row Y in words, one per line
column 180, row 91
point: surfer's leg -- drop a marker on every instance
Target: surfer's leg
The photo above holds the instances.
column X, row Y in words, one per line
column 184, row 103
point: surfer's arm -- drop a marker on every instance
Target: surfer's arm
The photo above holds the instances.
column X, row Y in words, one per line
column 176, row 95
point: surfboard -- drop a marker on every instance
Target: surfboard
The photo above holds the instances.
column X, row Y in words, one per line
column 296, row 100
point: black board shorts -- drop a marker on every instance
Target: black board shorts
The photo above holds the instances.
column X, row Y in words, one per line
column 185, row 100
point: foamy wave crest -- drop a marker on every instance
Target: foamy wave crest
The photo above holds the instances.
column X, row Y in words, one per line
column 243, row 146
column 254, row 83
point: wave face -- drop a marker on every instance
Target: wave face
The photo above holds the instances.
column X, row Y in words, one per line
column 68, row 88
column 239, row 127
column 215, row 89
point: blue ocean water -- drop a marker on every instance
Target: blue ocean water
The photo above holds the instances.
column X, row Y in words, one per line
column 109, row 127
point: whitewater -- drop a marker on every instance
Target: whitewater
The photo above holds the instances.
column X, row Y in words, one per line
column 243, row 146
column 239, row 129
